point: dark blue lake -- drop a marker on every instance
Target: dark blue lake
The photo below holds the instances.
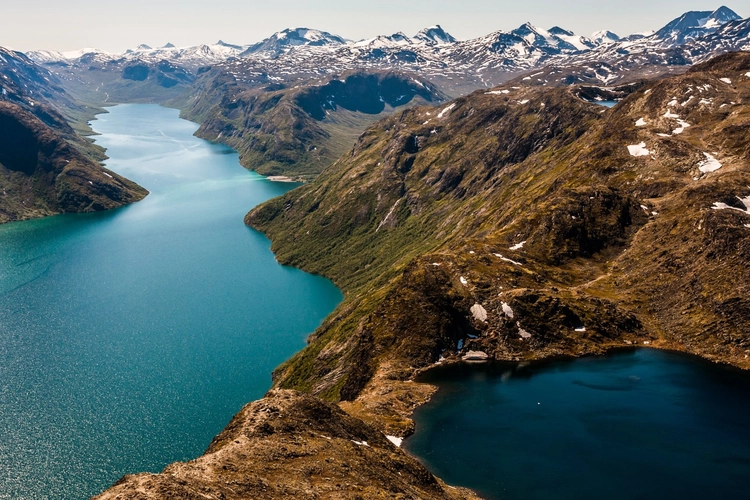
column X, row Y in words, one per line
column 128, row 339
column 638, row 424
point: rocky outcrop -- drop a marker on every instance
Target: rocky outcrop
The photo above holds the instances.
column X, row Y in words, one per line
column 42, row 174
column 292, row 445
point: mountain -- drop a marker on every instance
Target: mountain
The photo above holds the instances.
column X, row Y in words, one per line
column 604, row 36
column 281, row 42
column 519, row 221
column 42, row 174
column 693, row 24
column 430, row 212
column 33, row 88
column 434, row 35
column 46, row 166
column 299, row 131
column 457, row 67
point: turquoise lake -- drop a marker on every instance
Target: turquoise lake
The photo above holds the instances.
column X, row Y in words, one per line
column 129, row 338
column 638, row 424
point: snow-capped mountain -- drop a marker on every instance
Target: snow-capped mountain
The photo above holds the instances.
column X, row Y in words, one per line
column 281, row 42
column 434, row 53
column 675, row 36
column 23, row 81
column 692, row 25
column 434, row 35
column 188, row 57
column 604, row 37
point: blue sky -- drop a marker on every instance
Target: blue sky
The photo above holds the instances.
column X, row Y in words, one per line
column 118, row 25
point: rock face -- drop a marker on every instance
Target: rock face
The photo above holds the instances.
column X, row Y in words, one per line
column 42, row 174
column 292, row 445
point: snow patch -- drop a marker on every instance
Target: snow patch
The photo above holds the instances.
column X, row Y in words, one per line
column 682, row 126
column 525, row 101
column 446, row 110
column 475, row 356
column 710, row 164
column 638, row 149
column 395, row 440
column 361, row 443
column 523, row 333
column 463, row 281
column 499, row 256
column 497, row 92
column 388, row 216
column 518, row 246
column 726, row 80
column 641, row 122
column 479, row 313
column 722, row 206
column 507, row 310
column 580, row 329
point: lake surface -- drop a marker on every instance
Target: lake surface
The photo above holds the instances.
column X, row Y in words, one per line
column 606, row 104
column 638, row 424
column 129, row 338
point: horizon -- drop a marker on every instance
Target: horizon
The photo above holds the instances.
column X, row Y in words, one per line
column 458, row 22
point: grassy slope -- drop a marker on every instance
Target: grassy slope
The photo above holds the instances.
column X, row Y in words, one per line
column 538, row 166
column 298, row 131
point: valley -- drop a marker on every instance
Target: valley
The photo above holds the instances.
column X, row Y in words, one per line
column 471, row 199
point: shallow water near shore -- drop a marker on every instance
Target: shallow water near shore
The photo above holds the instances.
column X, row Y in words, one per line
column 633, row 424
column 129, row 338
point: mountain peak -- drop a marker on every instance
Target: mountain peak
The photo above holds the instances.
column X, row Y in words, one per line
column 282, row 41
column 694, row 24
column 168, row 46
column 434, row 35
column 556, row 30
column 604, row 36
column 726, row 14
column 143, row 46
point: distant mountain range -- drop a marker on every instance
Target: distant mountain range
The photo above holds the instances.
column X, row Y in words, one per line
column 482, row 61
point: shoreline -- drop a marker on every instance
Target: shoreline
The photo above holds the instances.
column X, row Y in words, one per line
column 280, row 178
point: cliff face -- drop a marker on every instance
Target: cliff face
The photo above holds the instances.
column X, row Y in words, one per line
column 292, row 445
column 526, row 223
column 42, row 174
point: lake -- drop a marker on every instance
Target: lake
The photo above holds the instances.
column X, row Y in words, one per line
column 635, row 424
column 129, row 338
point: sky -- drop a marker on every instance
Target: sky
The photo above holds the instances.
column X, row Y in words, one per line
column 114, row 26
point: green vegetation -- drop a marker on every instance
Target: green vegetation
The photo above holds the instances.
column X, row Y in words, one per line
column 531, row 199
column 298, row 131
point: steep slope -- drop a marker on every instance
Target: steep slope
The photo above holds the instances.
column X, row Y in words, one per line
column 291, row 445
column 39, row 92
column 42, row 174
column 526, row 223
column 299, row 131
